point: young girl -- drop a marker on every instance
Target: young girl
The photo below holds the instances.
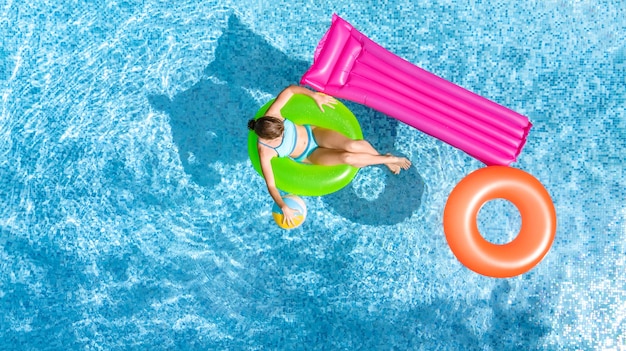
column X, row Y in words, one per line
column 279, row 137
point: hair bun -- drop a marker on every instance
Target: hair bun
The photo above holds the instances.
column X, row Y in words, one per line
column 251, row 124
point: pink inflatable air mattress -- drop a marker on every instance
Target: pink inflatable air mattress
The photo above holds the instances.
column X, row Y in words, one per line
column 350, row 66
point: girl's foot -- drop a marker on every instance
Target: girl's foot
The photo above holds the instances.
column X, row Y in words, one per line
column 397, row 164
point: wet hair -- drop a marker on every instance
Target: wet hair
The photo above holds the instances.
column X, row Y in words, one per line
column 267, row 127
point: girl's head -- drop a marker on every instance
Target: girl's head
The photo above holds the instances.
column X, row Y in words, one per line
column 267, row 127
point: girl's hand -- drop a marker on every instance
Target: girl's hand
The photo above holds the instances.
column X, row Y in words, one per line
column 322, row 99
column 289, row 215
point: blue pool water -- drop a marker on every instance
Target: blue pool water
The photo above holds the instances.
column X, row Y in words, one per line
column 131, row 218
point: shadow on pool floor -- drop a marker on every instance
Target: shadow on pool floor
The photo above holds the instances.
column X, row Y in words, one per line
column 208, row 123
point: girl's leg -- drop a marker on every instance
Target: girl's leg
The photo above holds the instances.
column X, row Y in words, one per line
column 336, row 148
column 332, row 139
column 331, row 157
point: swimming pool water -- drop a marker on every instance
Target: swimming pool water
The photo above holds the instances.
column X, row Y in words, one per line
column 131, row 218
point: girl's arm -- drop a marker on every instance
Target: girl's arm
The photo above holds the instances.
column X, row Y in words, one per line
column 287, row 93
column 265, row 157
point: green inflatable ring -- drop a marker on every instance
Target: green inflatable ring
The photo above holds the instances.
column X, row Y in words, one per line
column 306, row 179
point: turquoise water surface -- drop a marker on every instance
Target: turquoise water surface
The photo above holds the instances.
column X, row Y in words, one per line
column 131, row 218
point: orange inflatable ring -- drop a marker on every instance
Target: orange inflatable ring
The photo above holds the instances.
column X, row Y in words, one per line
column 536, row 210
